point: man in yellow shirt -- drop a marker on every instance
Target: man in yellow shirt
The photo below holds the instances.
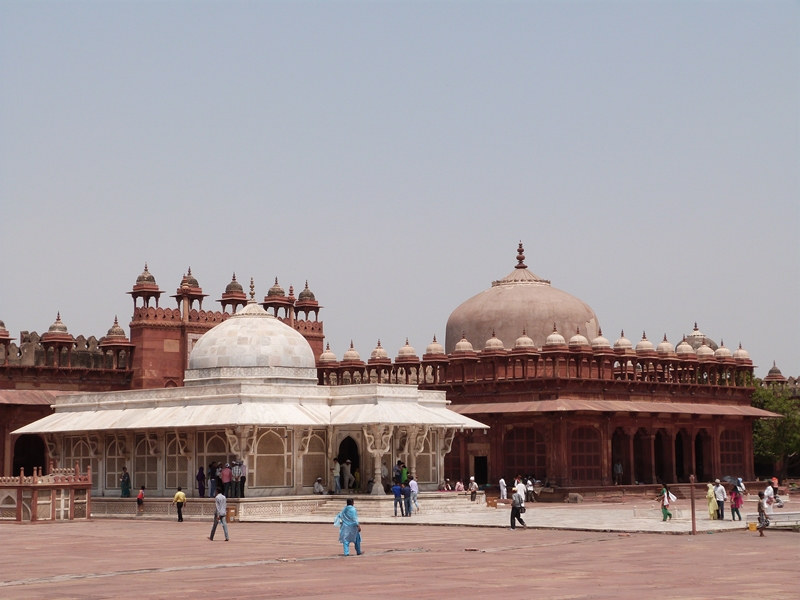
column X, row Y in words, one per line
column 179, row 500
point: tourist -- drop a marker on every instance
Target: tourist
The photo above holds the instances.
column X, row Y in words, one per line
column 201, row 482
column 212, row 481
column 349, row 529
column 140, row 500
column 414, row 487
column 347, row 476
column 769, row 498
column 179, row 500
column 226, row 476
column 529, row 490
column 236, row 472
column 459, row 486
column 384, row 476
column 406, row 498
column 220, row 514
column 396, row 472
column 664, row 496
column 712, row 502
column 503, row 490
column 336, row 471
column 445, row 486
column 517, row 507
column 243, row 480
column 357, row 480
column 763, row 519
column 519, row 487
column 398, row 499
column 403, row 473
column 319, row 489
column 618, row 473
column 737, row 500
column 125, row 483
column 473, row 489
column 720, row 495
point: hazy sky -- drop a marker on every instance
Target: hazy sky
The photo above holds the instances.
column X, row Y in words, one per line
column 394, row 153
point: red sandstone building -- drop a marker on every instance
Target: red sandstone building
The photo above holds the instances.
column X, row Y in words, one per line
column 563, row 403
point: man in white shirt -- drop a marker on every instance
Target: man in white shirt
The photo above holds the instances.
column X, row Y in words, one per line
column 519, row 488
column 412, row 483
column 503, row 490
column 220, row 510
column 318, row 488
column 336, row 471
column 721, row 496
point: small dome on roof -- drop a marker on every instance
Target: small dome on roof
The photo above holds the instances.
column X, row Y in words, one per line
column 665, row 347
column 524, row 341
column 577, row 340
column 463, row 345
column 434, row 347
column 555, row 338
column 58, row 326
column 2, row 325
column 379, row 352
column 190, row 279
column 116, row 331
column 407, row 351
column 276, row 290
column 493, row 343
column 600, row 342
column 327, row 356
column 351, row 353
column 722, row 351
column 306, row 294
column 234, row 287
column 146, row 276
column 644, row 345
column 705, row 350
column 684, row 348
column 623, row 343
column 741, row 353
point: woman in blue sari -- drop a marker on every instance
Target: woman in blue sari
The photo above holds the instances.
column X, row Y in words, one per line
column 349, row 529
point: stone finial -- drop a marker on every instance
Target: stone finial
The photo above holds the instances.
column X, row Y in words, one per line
column 695, row 327
column 644, row 335
column 665, row 338
column 555, row 329
column 521, row 257
column 600, row 331
column 434, row 340
column 252, row 291
column 577, row 331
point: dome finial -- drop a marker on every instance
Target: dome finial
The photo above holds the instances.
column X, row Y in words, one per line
column 252, row 292
column 600, row 331
column 644, row 335
column 665, row 337
column 555, row 329
column 695, row 327
column 434, row 339
column 521, row 257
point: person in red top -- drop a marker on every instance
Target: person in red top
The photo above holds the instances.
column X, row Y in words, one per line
column 227, row 479
column 140, row 500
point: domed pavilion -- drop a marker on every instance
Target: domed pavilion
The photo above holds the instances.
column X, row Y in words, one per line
column 251, row 392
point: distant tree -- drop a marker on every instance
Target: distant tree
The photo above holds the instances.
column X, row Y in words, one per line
column 777, row 440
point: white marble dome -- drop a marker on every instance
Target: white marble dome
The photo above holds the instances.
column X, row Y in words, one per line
column 644, row 345
column 524, row 341
column 600, row 343
column 623, row 343
column 665, row 347
column 251, row 344
column 555, row 339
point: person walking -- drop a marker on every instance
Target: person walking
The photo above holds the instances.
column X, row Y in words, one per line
column 349, row 529
column 125, row 483
column 519, row 487
column 212, row 479
column 664, row 497
column 337, row 481
column 769, row 498
column 220, row 513
column 712, row 502
column 473, row 489
column 397, row 490
column 763, row 519
column 737, row 500
column 503, row 489
column 414, row 486
column 720, row 495
column 140, row 500
column 180, row 501
column 201, row 482
column 517, row 506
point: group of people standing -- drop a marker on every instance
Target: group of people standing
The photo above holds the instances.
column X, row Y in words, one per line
column 344, row 478
column 231, row 477
column 405, row 494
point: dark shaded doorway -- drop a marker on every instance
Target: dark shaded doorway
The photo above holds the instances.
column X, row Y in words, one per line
column 348, row 450
column 641, row 453
column 621, row 453
column 481, row 470
column 702, row 455
column 29, row 452
column 663, row 457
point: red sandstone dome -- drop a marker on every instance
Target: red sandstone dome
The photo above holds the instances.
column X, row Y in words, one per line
column 521, row 300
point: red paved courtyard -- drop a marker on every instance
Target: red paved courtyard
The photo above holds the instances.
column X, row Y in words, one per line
column 158, row 559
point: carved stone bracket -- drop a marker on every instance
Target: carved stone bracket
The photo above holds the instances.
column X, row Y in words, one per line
column 123, row 447
column 446, row 440
column 152, row 443
column 95, row 449
column 305, row 439
column 182, row 442
column 233, row 441
column 54, row 445
column 241, row 440
column 420, row 435
column 378, row 438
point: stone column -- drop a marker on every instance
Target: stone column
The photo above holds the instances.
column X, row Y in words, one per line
column 378, row 440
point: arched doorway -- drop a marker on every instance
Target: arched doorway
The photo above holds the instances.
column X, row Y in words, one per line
column 702, row 455
column 585, row 456
column 663, row 456
column 348, row 450
column 683, row 456
column 29, row 452
column 621, row 453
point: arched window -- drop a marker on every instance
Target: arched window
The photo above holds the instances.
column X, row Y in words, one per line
column 145, row 465
column 526, row 453
column 585, row 455
column 114, row 463
column 273, row 459
column 315, row 461
column 731, row 453
column 177, row 467
column 77, row 450
column 426, row 460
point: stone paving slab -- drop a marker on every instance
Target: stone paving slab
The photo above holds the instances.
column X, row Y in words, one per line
column 158, row 559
